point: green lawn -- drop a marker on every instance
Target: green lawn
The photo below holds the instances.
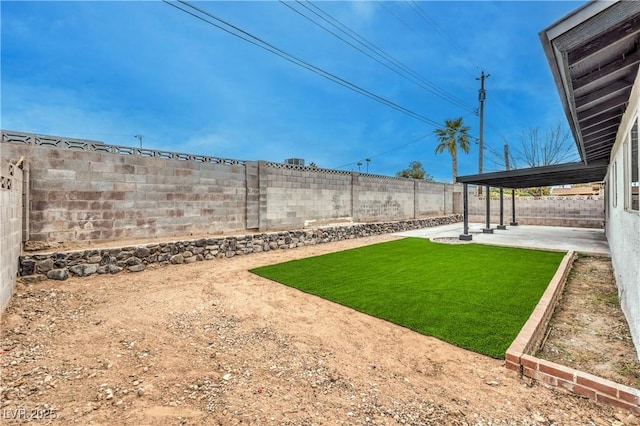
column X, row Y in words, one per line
column 474, row 296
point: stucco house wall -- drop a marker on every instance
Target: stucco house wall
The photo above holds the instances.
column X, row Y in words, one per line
column 623, row 224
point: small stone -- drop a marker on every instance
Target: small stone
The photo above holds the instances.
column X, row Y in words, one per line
column 631, row 419
column 113, row 269
column 176, row 259
column 44, row 266
column 137, row 268
column 140, row 391
column 538, row 418
column 109, row 269
column 58, row 274
column 493, row 383
column 33, row 278
column 109, row 393
column 133, row 261
column 142, row 252
column 226, row 376
column 84, row 269
column 27, row 266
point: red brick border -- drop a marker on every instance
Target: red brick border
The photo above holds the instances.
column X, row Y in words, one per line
column 530, row 338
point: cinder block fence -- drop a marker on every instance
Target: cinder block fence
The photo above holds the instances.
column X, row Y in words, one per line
column 81, row 190
column 11, row 183
column 87, row 191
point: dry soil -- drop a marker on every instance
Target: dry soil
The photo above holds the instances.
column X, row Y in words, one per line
column 588, row 330
column 211, row 343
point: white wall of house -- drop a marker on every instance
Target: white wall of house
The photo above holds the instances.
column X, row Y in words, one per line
column 623, row 217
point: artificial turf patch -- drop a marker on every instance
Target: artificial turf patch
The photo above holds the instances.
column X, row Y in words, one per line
column 474, row 296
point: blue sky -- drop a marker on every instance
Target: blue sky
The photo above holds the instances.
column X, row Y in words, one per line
column 110, row 70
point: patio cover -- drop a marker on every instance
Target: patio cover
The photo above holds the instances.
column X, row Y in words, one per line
column 594, row 54
column 562, row 174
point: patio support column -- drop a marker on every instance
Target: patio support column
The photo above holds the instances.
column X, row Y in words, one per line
column 465, row 214
column 502, row 225
column 487, row 229
column 513, row 208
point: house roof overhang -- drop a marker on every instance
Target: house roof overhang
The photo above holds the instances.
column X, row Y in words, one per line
column 594, row 54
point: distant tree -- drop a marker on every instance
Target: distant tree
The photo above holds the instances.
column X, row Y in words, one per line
column 543, row 147
column 414, row 171
column 313, row 165
column 454, row 135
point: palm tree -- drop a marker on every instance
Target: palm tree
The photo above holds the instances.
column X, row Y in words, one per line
column 455, row 135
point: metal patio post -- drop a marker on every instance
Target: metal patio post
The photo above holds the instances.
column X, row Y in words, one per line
column 487, row 229
column 502, row 225
column 513, row 208
column 465, row 213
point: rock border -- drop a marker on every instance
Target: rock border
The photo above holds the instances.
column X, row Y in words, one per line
column 82, row 263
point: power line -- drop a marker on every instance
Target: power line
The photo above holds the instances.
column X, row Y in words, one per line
column 421, row 12
column 416, row 6
column 256, row 41
column 396, row 148
column 404, row 23
column 388, row 151
column 381, row 57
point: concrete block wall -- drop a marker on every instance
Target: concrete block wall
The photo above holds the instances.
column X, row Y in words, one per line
column 85, row 190
column 294, row 197
column 88, row 195
column 11, row 185
column 378, row 198
column 252, row 178
column 580, row 212
column 434, row 198
column 88, row 191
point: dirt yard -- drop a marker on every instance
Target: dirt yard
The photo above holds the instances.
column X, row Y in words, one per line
column 588, row 330
column 210, row 343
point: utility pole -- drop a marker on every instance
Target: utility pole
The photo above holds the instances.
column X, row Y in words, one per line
column 139, row 137
column 368, row 160
column 506, row 156
column 481, row 97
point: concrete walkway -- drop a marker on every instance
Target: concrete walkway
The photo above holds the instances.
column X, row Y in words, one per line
column 583, row 240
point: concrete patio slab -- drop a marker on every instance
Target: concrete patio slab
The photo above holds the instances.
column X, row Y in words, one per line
column 582, row 240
